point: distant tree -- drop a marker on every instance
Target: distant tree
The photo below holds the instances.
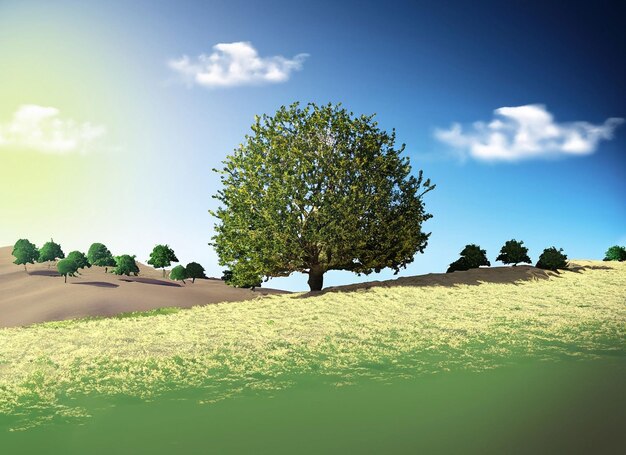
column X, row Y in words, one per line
column 67, row 267
column 513, row 252
column 25, row 253
column 179, row 273
column 242, row 278
column 50, row 251
column 79, row 258
column 162, row 256
column 100, row 256
column 317, row 188
column 195, row 270
column 615, row 253
column 552, row 259
column 472, row 257
column 126, row 265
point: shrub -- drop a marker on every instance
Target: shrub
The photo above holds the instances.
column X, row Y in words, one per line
column 472, row 257
column 615, row 253
column 242, row 279
column 513, row 252
column 552, row 259
column 179, row 273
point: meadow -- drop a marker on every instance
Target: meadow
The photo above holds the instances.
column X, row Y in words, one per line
column 50, row 371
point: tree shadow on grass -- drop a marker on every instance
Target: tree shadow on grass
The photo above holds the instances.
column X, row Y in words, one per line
column 100, row 284
column 472, row 277
column 150, row 281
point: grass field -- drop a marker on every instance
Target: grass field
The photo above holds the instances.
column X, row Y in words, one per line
column 48, row 372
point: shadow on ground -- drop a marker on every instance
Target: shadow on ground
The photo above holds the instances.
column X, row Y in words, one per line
column 100, row 284
column 150, row 281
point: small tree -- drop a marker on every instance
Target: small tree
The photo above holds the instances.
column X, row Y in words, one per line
column 513, row 252
column 179, row 273
column 50, row 251
column 195, row 270
column 552, row 259
column 162, row 256
column 472, row 257
column 615, row 253
column 79, row 258
column 25, row 252
column 67, row 267
column 126, row 265
column 100, row 256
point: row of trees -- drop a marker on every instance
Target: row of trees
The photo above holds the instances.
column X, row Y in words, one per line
column 513, row 252
column 26, row 252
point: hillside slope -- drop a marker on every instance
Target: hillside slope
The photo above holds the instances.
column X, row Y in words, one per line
column 41, row 295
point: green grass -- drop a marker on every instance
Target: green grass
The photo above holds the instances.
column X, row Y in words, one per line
column 270, row 344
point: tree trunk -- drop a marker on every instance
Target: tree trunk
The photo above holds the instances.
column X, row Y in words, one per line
column 164, row 273
column 316, row 278
column 25, row 268
column 193, row 280
column 65, row 278
column 105, row 270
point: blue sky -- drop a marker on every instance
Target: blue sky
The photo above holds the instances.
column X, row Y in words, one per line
column 420, row 66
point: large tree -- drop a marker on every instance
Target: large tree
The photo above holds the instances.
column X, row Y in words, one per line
column 472, row 257
column 162, row 256
column 317, row 188
column 100, row 256
column 50, row 251
column 25, row 252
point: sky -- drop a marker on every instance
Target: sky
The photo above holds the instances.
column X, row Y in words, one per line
column 113, row 115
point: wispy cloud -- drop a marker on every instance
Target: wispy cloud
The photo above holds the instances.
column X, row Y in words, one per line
column 43, row 129
column 235, row 64
column 525, row 132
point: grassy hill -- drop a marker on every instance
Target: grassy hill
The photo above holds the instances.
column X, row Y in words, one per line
column 388, row 330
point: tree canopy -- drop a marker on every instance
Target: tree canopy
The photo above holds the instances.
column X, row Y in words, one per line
column 125, row 265
column 25, row 252
column 513, row 252
column 99, row 255
column 179, row 273
column 79, row 258
column 162, row 256
column 67, row 267
column 317, row 188
column 50, row 251
column 472, row 257
column 195, row 270
column 615, row 253
column 552, row 259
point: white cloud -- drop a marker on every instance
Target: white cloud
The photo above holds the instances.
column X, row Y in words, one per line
column 233, row 64
column 42, row 129
column 524, row 132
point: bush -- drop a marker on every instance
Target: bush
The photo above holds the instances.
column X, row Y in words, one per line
column 178, row 273
column 552, row 259
column 242, row 279
column 513, row 252
column 615, row 253
column 472, row 257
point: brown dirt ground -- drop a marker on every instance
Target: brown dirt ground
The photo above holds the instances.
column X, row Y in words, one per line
column 41, row 294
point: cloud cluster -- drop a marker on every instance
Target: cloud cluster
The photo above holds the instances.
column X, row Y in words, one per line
column 42, row 129
column 525, row 132
column 233, row 64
